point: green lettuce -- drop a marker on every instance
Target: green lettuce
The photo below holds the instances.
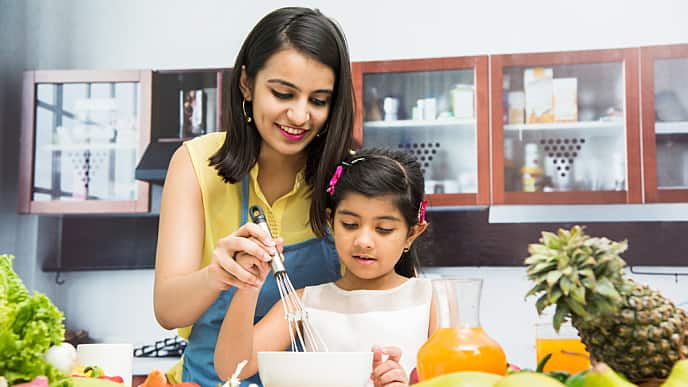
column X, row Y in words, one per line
column 29, row 325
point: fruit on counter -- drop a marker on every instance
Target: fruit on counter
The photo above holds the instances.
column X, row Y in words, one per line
column 528, row 379
column 39, row 381
column 603, row 376
column 95, row 372
column 577, row 380
column 62, row 357
column 29, row 325
column 80, row 381
column 678, row 376
column 462, row 379
column 632, row 328
column 561, row 376
column 157, row 378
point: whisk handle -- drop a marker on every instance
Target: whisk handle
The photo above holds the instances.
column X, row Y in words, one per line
column 258, row 217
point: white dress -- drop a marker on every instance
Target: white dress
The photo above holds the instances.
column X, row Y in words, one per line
column 356, row 320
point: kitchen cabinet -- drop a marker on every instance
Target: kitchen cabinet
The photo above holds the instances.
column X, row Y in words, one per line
column 82, row 135
column 565, row 127
column 664, row 96
column 186, row 104
column 436, row 110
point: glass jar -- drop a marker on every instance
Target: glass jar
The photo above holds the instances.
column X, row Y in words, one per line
column 459, row 343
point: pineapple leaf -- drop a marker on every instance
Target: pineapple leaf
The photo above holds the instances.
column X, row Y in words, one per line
column 605, row 288
column 536, row 289
column 554, row 296
column 553, row 277
column 565, row 285
column 537, row 249
column 541, row 268
column 542, row 303
column 577, row 308
column 560, row 316
column 578, row 295
column 550, row 240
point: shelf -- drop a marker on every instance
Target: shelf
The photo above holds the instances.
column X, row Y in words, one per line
column 463, row 123
column 676, row 127
column 92, row 146
column 594, row 128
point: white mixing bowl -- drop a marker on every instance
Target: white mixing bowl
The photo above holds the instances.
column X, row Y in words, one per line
column 315, row 369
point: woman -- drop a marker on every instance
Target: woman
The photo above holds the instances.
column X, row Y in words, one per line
column 288, row 124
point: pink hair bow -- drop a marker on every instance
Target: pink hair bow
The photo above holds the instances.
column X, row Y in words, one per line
column 335, row 178
column 421, row 210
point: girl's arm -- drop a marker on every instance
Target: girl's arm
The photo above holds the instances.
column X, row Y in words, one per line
column 183, row 290
column 240, row 340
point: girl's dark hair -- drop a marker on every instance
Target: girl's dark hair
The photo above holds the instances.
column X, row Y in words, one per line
column 319, row 37
column 375, row 172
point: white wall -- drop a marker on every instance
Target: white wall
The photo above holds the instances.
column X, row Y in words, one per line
column 174, row 34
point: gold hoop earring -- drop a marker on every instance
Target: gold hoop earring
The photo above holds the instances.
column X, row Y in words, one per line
column 243, row 108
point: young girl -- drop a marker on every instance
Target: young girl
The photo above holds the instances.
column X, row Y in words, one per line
column 376, row 211
column 287, row 124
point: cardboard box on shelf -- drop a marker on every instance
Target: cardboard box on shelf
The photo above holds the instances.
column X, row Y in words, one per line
column 538, row 87
column 565, row 99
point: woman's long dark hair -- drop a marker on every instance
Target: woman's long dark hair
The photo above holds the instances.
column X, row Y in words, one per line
column 317, row 36
column 376, row 172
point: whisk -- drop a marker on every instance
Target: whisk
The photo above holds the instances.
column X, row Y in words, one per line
column 302, row 334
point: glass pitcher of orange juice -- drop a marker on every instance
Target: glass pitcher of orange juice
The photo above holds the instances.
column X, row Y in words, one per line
column 459, row 343
column 568, row 352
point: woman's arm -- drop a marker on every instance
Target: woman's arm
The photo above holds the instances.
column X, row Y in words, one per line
column 183, row 290
column 240, row 340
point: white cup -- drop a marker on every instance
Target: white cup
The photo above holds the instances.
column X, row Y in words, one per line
column 114, row 359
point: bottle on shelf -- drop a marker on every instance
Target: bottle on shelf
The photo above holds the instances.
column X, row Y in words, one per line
column 374, row 113
column 532, row 174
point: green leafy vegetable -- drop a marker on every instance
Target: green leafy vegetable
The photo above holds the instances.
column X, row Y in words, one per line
column 29, row 325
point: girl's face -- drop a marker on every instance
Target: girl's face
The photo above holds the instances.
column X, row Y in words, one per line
column 370, row 235
column 291, row 98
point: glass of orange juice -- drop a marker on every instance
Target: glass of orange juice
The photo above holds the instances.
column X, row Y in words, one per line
column 568, row 352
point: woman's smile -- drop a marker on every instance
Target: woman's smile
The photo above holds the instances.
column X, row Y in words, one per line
column 292, row 133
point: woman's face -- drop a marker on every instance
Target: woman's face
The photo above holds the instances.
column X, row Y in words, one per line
column 370, row 235
column 291, row 97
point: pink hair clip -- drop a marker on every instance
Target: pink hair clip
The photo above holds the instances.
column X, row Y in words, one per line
column 335, row 178
column 421, row 210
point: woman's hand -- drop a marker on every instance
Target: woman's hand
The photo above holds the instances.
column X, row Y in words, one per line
column 240, row 258
column 388, row 372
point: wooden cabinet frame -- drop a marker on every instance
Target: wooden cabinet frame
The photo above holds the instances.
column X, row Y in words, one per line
column 26, row 158
column 629, row 58
column 648, row 56
column 479, row 64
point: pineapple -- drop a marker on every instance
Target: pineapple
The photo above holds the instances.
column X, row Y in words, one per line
column 632, row 328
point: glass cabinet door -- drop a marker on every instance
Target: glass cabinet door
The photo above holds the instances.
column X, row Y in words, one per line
column 664, row 83
column 86, row 131
column 566, row 127
column 436, row 110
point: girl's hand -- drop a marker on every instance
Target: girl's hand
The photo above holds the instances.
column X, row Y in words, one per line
column 388, row 372
column 224, row 271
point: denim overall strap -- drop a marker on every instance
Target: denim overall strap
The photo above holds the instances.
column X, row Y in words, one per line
column 310, row 262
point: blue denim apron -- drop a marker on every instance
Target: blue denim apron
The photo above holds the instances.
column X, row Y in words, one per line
column 310, row 262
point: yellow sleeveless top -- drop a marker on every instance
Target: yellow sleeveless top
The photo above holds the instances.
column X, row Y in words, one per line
column 222, row 207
